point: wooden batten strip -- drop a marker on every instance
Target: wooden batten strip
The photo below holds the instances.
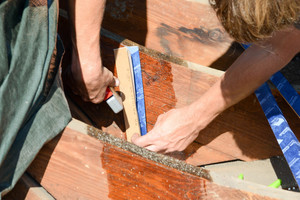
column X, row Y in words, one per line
column 125, row 75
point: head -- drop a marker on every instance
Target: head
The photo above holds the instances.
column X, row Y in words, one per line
column 255, row 20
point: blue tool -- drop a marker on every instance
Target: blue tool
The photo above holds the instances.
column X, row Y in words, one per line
column 287, row 91
column 286, row 139
column 139, row 90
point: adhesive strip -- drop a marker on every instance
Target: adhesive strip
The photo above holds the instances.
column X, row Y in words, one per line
column 139, row 90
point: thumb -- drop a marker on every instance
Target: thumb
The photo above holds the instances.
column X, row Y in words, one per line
column 134, row 137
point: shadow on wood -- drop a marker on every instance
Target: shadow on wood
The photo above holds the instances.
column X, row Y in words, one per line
column 240, row 132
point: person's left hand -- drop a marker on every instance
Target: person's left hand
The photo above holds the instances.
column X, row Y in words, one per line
column 173, row 131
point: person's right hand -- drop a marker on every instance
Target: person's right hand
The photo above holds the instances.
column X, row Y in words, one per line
column 90, row 79
column 173, row 131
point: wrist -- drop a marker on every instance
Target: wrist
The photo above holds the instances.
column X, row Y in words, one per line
column 208, row 106
column 86, row 49
column 86, row 56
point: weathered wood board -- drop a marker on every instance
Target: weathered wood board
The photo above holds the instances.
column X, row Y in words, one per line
column 241, row 132
column 188, row 29
column 78, row 166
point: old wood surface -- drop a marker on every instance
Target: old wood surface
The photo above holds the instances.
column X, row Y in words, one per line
column 188, row 29
column 241, row 132
column 77, row 166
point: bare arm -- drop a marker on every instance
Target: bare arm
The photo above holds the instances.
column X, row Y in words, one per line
column 176, row 129
column 90, row 78
column 253, row 68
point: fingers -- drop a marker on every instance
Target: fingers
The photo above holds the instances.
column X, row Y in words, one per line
column 154, row 148
column 92, row 87
column 108, row 81
column 140, row 140
column 109, row 78
column 147, row 142
column 101, row 95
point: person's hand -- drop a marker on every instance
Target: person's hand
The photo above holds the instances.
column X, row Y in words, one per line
column 173, row 131
column 90, row 79
column 86, row 76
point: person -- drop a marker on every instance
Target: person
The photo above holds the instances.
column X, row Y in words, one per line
column 33, row 109
column 271, row 27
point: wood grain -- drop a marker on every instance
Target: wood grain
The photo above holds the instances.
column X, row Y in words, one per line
column 183, row 28
column 78, row 166
column 240, row 132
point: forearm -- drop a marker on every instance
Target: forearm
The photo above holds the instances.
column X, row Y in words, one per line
column 248, row 72
column 87, row 76
column 86, row 18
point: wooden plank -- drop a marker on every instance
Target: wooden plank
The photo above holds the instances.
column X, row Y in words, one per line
column 240, row 132
column 28, row 189
column 188, row 29
column 77, row 166
column 125, row 75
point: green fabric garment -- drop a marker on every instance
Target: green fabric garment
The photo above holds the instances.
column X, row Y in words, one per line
column 33, row 108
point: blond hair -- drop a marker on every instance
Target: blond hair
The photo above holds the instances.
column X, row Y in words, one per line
column 254, row 20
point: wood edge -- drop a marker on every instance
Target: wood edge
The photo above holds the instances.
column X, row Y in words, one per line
column 168, row 161
column 151, row 52
column 277, row 193
column 169, row 58
column 216, row 178
column 161, row 56
column 156, row 54
column 78, row 126
column 29, row 189
column 204, row 69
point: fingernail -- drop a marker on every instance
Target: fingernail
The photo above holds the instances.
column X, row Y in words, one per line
column 117, row 81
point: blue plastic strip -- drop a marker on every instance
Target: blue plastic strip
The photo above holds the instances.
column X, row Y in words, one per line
column 287, row 91
column 139, row 90
column 286, row 139
column 246, row 46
